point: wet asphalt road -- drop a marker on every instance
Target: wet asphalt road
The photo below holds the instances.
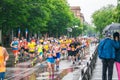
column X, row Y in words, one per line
column 67, row 71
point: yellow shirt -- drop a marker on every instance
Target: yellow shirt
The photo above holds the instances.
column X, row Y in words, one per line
column 2, row 66
column 63, row 45
column 31, row 46
column 46, row 47
column 60, row 41
column 40, row 48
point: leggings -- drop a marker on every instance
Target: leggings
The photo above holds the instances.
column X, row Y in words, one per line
column 118, row 69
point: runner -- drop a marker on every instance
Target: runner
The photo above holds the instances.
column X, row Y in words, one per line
column 26, row 50
column 57, row 50
column 78, row 51
column 45, row 47
column 39, row 49
column 50, row 60
column 63, row 49
column 14, row 45
column 31, row 47
column 21, row 47
column 83, row 41
column 69, row 50
column 73, row 50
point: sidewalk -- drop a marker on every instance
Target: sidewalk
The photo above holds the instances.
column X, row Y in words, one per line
column 97, row 73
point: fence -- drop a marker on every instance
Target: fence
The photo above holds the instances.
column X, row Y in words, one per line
column 86, row 73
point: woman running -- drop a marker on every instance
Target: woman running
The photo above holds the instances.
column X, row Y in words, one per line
column 56, row 50
column 50, row 60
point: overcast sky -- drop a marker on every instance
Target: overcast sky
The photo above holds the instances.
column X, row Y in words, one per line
column 90, row 6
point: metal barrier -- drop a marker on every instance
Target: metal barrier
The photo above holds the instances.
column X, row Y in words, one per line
column 86, row 74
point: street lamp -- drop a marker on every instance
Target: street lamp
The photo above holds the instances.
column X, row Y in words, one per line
column 74, row 29
column 68, row 31
column 76, row 26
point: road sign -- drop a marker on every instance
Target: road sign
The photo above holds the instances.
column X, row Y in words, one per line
column 69, row 29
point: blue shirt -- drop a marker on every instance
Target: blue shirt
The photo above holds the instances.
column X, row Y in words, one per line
column 106, row 48
column 15, row 43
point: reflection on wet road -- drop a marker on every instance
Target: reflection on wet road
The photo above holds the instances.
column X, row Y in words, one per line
column 68, row 71
column 56, row 76
column 23, row 71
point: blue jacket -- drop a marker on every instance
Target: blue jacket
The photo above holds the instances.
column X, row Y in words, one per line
column 106, row 48
column 117, row 54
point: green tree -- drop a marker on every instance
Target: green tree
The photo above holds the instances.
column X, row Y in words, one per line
column 77, row 27
column 116, row 11
column 61, row 17
column 13, row 14
column 103, row 17
column 39, row 16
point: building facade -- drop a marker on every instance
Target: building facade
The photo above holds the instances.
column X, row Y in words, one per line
column 77, row 12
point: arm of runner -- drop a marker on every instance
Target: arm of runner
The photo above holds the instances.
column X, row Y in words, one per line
column 11, row 44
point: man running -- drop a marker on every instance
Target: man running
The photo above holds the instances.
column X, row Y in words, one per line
column 14, row 45
column 31, row 47
column 39, row 49
column 73, row 50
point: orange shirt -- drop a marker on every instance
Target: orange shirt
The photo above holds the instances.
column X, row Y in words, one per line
column 2, row 66
column 26, row 45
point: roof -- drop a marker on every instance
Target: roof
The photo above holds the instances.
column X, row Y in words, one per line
column 75, row 8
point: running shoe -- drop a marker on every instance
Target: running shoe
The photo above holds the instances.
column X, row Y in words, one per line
column 73, row 62
column 57, row 68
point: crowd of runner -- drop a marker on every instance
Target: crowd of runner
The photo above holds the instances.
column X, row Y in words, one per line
column 52, row 50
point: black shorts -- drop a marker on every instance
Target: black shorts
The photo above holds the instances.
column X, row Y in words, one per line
column 69, row 53
column 73, row 53
column 22, row 48
column 32, row 52
column 26, row 50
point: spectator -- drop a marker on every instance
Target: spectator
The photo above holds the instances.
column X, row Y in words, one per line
column 3, row 58
column 116, row 37
column 106, row 52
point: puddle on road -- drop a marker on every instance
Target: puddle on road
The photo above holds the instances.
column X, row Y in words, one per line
column 40, row 74
column 64, row 73
column 34, row 75
column 30, row 77
column 46, row 76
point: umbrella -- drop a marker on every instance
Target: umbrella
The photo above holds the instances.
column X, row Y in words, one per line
column 113, row 26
